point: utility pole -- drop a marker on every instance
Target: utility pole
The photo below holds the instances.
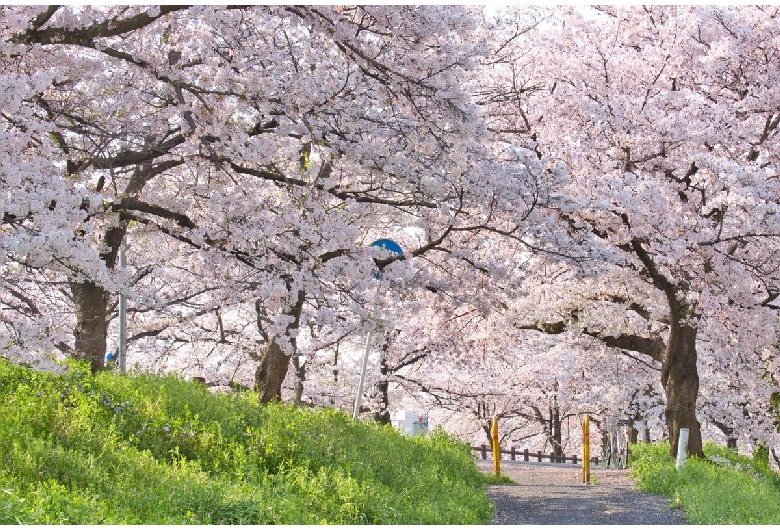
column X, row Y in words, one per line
column 122, row 318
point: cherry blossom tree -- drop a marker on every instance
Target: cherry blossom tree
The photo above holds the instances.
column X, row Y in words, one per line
column 269, row 146
column 607, row 179
column 666, row 119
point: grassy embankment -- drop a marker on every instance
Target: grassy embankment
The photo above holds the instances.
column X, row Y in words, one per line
column 144, row 449
column 726, row 488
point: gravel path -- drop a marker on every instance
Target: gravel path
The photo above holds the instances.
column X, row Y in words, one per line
column 554, row 494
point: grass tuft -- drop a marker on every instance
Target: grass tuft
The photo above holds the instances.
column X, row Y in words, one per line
column 493, row 480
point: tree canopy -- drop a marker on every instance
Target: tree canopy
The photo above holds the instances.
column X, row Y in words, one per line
column 587, row 200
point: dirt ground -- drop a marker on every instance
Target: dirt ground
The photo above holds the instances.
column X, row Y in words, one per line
column 554, row 494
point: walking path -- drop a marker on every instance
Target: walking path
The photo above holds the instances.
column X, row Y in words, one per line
column 554, row 494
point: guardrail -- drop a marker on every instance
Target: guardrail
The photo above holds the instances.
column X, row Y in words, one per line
column 527, row 455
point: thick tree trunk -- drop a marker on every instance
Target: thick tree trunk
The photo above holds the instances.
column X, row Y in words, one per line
column 633, row 435
column 274, row 363
column 91, row 306
column 91, row 301
column 680, row 379
column 271, row 372
column 335, row 372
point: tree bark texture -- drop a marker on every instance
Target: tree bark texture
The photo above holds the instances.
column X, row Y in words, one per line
column 91, row 331
column 91, row 307
column 271, row 372
column 300, row 377
column 680, row 380
column 274, row 363
column 556, row 436
column 383, row 389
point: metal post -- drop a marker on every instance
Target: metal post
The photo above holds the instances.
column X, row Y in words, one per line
column 586, row 450
column 122, row 318
column 682, row 447
column 496, row 446
column 359, row 396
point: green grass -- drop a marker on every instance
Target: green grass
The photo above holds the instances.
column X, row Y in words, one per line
column 144, row 449
column 725, row 488
column 493, row 480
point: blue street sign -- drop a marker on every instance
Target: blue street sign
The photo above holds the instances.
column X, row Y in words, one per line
column 388, row 244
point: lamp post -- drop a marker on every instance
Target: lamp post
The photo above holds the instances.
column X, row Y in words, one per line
column 395, row 248
column 122, row 318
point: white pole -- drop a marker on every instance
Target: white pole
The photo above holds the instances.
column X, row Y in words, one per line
column 359, row 396
column 682, row 447
column 122, row 318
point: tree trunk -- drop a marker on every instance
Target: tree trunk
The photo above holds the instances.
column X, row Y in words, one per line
column 680, row 379
column 271, row 372
column 300, row 377
column 485, row 419
column 335, row 372
column 731, row 439
column 274, row 363
column 633, row 436
column 91, row 301
column 91, row 331
column 91, row 307
column 555, row 431
column 383, row 386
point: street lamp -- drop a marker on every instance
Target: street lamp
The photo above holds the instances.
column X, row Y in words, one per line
column 122, row 317
column 395, row 248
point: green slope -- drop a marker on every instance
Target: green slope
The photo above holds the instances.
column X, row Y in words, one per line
column 144, row 449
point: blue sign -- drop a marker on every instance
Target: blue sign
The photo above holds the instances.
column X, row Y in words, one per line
column 388, row 244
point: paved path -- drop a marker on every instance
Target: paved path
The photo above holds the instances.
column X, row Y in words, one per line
column 554, row 494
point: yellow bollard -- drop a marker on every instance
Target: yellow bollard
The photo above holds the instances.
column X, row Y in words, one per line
column 586, row 450
column 496, row 447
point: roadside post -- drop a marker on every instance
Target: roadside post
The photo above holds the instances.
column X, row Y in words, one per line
column 496, row 447
column 586, row 449
column 682, row 447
